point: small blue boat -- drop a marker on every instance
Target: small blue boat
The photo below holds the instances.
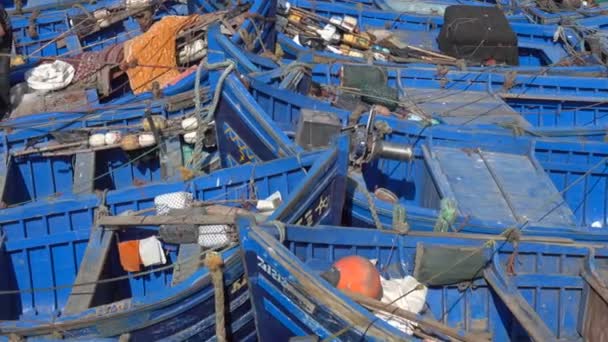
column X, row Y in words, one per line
column 49, row 247
column 39, row 165
column 473, row 287
column 549, row 187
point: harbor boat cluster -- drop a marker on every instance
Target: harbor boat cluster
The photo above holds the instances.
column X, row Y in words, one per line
column 305, row 170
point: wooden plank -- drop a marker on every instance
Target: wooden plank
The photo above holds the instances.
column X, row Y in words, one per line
column 594, row 317
column 4, row 167
column 507, row 187
column 90, row 270
column 84, row 173
column 187, row 262
column 558, row 98
column 201, row 219
column 170, row 163
column 517, row 305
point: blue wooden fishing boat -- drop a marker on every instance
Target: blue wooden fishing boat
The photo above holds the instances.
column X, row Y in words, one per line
column 534, row 112
column 551, row 186
column 71, row 31
column 553, row 14
column 536, row 43
column 22, row 8
column 115, row 93
column 49, row 248
column 435, row 7
column 550, row 106
column 47, row 157
column 474, row 287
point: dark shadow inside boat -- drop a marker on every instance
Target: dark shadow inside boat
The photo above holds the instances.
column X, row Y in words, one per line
column 8, row 282
column 111, row 173
column 15, row 192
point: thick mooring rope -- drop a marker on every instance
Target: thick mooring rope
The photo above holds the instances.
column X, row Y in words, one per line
column 214, row 263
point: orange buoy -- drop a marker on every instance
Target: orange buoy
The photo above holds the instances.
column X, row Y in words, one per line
column 355, row 274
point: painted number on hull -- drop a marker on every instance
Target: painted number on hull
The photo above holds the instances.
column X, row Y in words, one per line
column 274, row 274
column 317, row 210
column 113, row 308
column 237, row 285
column 245, row 154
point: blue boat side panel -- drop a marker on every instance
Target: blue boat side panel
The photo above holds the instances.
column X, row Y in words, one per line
column 519, row 307
column 285, row 107
column 319, row 199
column 582, row 175
column 465, row 107
column 497, row 186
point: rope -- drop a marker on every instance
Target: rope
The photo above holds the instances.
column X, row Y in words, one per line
column 204, row 115
column 214, row 262
column 109, row 280
column 280, row 226
column 447, row 215
column 102, row 208
column 372, row 205
column 400, row 219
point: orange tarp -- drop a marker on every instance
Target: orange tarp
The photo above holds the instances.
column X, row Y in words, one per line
column 154, row 54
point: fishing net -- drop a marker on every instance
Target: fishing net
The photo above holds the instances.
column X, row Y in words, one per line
column 446, row 265
column 175, row 200
column 371, row 81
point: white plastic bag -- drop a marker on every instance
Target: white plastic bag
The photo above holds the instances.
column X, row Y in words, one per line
column 151, row 252
column 50, row 76
column 270, row 203
column 394, row 291
column 192, row 51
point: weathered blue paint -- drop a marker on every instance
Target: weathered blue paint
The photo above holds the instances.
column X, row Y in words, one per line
column 542, row 298
column 556, row 163
column 45, row 243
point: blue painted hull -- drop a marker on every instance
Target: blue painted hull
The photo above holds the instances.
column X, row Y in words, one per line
column 538, row 299
column 574, row 169
column 44, row 244
column 120, row 33
column 266, row 121
column 546, row 106
column 536, row 46
column 38, row 176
